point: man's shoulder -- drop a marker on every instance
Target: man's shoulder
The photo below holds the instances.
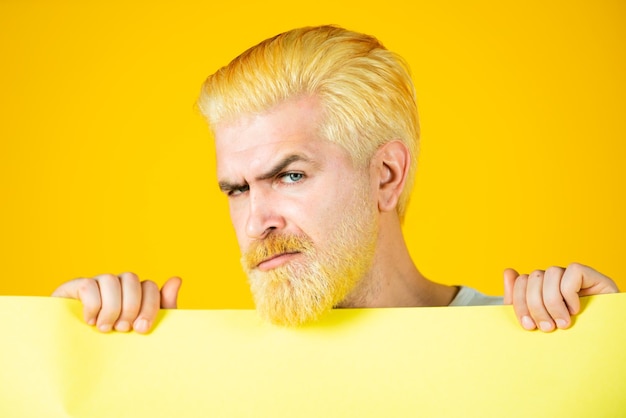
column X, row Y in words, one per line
column 467, row 296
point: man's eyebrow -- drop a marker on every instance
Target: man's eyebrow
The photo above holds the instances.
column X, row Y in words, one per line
column 281, row 165
column 226, row 186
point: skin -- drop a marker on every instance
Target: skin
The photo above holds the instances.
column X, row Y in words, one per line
column 548, row 299
column 264, row 204
column 120, row 302
column 270, row 190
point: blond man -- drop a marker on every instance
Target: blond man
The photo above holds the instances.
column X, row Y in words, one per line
column 316, row 134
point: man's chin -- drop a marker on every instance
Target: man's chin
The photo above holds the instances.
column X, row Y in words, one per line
column 291, row 312
column 291, row 300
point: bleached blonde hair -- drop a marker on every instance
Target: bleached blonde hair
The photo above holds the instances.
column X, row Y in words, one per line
column 365, row 90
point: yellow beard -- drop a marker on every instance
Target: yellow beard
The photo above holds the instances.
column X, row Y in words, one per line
column 301, row 290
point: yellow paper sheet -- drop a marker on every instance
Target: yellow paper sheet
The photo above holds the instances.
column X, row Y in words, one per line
column 443, row 362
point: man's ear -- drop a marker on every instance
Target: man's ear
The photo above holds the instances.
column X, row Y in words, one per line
column 391, row 165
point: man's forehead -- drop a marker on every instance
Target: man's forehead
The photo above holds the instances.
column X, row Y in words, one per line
column 265, row 135
column 258, row 157
column 243, row 145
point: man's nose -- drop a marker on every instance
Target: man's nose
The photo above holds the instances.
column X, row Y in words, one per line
column 264, row 214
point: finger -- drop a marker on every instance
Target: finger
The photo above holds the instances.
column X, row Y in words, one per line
column 87, row 291
column 169, row 293
column 111, row 295
column 509, row 282
column 552, row 297
column 580, row 280
column 149, row 306
column 534, row 300
column 131, row 301
column 519, row 303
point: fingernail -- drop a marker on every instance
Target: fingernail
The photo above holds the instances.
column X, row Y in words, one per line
column 105, row 328
column 122, row 326
column 561, row 323
column 141, row 325
column 91, row 321
column 528, row 323
column 545, row 326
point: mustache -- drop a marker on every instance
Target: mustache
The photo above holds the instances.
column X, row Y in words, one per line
column 273, row 245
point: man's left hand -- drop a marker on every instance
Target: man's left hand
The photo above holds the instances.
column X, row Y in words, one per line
column 547, row 299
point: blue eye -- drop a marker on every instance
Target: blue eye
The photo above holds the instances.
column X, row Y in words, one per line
column 292, row 177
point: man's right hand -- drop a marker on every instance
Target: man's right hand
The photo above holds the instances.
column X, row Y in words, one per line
column 120, row 302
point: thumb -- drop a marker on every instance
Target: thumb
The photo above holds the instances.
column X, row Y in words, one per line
column 510, row 276
column 580, row 280
column 169, row 293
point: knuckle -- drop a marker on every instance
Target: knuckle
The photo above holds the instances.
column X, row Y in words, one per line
column 107, row 277
column 85, row 284
column 575, row 267
column 149, row 285
column 554, row 271
column 129, row 275
column 536, row 274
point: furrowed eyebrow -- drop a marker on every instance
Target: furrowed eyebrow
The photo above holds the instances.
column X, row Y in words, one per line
column 226, row 186
column 229, row 187
column 281, row 165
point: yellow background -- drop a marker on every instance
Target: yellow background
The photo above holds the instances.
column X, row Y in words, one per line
column 105, row 166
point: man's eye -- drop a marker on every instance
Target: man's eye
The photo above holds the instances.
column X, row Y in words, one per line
column 292, row 177
column 238, row 191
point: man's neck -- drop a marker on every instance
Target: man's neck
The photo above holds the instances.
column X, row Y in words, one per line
column 394, row 280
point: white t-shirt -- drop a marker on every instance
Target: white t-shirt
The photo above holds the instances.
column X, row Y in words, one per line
column 471, row 297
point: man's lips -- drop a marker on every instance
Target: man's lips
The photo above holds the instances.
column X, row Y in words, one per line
column 276, row 260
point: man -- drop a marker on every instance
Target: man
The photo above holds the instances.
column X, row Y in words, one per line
column 316, row 134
